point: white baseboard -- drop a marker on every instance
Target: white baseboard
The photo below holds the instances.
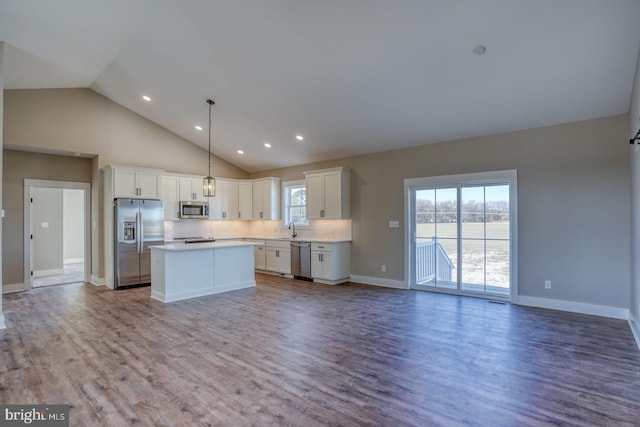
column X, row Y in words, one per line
column 635, row 328
column 73, row 260
column 378, row 281
column 13, row 287
column 97, row 281
column 52, row 272
column 575, row 307
column 2, row 324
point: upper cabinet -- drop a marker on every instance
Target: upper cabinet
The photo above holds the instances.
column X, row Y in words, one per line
column 135, row 183
column 177, row 188
column 225, row 203
column 328, row 194
column 192, row 189
column 266, row 198
column 245, row 199
column 171, row 197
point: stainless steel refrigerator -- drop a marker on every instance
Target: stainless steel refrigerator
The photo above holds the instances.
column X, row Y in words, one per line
column 139, row 224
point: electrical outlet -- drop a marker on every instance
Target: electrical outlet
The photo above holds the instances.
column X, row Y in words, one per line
column 547, row 284
column 384, row 268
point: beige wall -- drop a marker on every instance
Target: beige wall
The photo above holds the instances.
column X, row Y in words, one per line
column 73, row 224
column 634, row 125
column 1, row 143
column 18, row 166
column 81, row 120
column 573, row 194
column 47, row 214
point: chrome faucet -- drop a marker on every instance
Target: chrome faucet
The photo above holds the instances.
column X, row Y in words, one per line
column 294, row 234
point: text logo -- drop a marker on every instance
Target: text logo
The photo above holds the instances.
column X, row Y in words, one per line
column 34, row 415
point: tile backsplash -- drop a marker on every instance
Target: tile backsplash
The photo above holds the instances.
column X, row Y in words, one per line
column 317, row 229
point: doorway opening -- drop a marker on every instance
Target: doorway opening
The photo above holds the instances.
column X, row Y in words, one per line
column 462, row 234
column 56, row 233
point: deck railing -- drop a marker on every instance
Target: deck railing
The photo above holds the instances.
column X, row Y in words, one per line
column 432, row 260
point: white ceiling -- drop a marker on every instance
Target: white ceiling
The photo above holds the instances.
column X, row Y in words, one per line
column 352, row 76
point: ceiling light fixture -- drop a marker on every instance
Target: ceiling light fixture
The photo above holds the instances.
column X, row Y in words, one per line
column 299, row 137
column 146, row 98
column 266, row 144
column 198, row 127
column 240, row 152
column 209, row 182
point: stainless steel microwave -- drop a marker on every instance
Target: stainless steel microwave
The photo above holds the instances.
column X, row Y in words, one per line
column 194, row 210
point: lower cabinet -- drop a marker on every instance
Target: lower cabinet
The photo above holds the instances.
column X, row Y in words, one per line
column 278, row 256
column 261, row 257
column 331, row 262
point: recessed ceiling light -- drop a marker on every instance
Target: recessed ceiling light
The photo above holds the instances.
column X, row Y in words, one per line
column 198, row 127
column 240, row 152
column 146, row 98
column 299, row 137
column 480, row 49
column 266, row 144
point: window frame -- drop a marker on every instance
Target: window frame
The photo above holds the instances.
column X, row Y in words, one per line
column 479, row 178
column 286, row 203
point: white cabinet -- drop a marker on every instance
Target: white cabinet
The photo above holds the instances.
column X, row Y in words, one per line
column 225, row 203
column 266, row 198
column 171, row 197
column 260, row 255
column 136, row 183
column 177, row 188
column 331, row 262
column 245, row 199
column 278, row 256
column 192, row 189
column 328, row 194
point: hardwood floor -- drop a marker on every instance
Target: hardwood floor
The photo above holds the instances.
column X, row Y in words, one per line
column 302, row 354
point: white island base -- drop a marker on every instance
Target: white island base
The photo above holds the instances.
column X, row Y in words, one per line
column 183, row 271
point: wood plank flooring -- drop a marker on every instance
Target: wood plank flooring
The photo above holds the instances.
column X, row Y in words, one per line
column 302, row 354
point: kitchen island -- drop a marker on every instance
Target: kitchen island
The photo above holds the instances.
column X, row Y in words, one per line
column 182, row 271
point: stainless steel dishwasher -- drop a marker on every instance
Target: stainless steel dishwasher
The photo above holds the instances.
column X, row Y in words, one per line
column 301, row 260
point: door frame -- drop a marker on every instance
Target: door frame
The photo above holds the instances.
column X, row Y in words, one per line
column 479, row 178
column 69, row 185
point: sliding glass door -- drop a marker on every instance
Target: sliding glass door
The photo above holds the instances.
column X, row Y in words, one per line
column 461, row 234
column 485, row 239
column 436, row 244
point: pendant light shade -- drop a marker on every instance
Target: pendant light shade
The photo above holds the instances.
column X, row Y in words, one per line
column 209, row 183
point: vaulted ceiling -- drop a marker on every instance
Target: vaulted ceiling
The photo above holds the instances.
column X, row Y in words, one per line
column 350, row 76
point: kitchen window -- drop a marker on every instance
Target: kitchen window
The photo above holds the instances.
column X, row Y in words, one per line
column 295, row 202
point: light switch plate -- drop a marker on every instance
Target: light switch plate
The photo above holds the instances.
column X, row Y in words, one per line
column 45, row 225
column 394, row 224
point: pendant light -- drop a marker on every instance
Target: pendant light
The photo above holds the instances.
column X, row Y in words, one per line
column 209, row 181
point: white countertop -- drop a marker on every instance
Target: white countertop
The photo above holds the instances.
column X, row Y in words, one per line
column 207, row 245
column 301, row 239
column 237, row 239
